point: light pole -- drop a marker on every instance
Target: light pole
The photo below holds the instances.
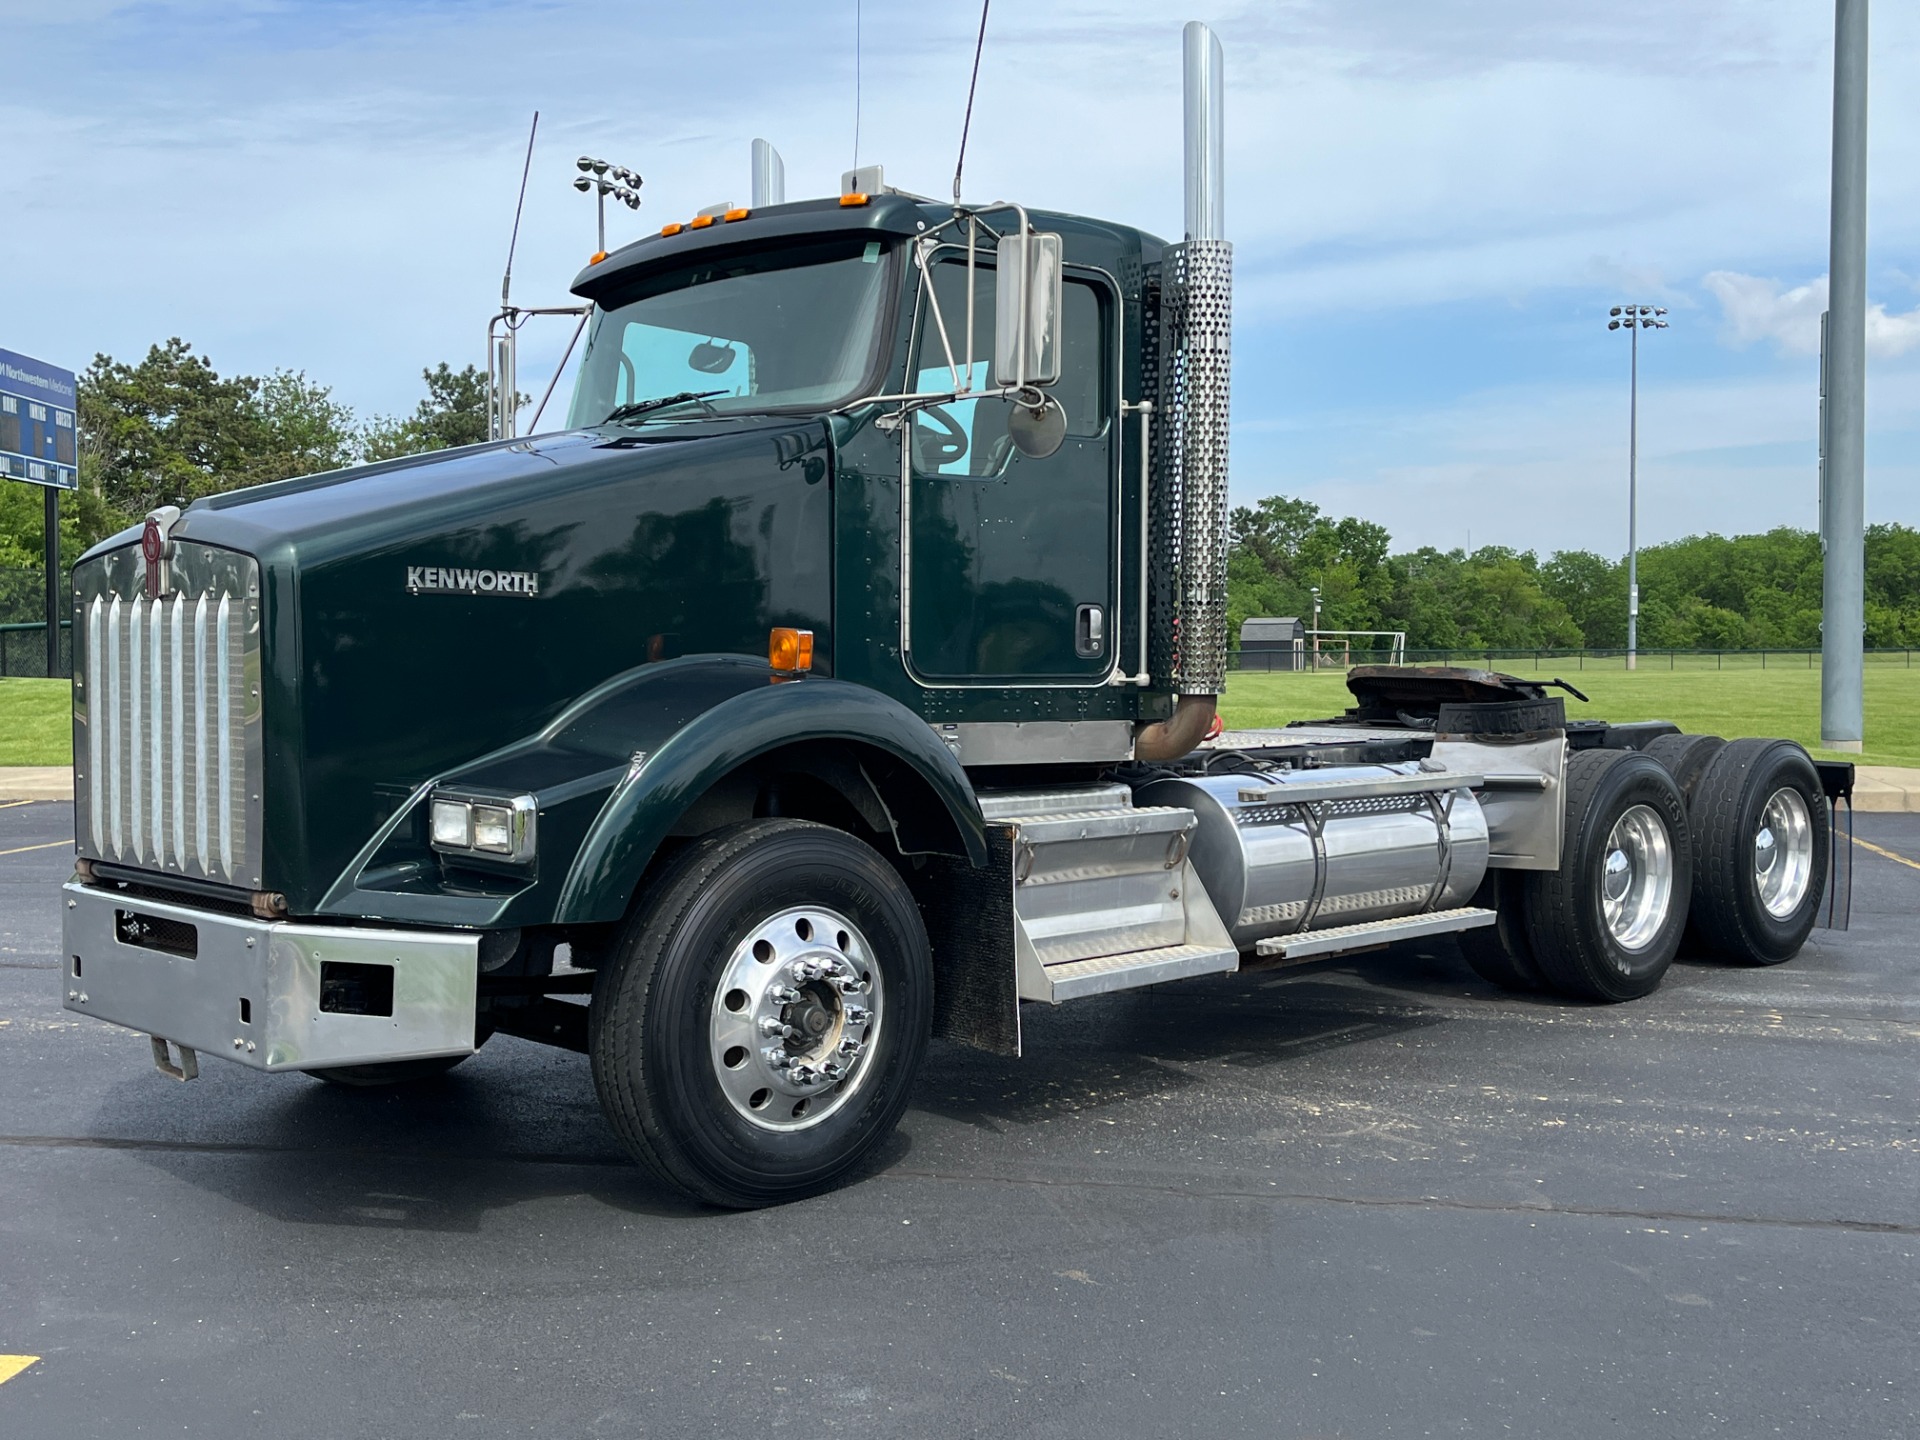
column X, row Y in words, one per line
column 605, row 179
column 1315, row 632
column 1633, row 319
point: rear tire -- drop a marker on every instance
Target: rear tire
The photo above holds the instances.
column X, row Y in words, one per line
column 1606, row 924
column 1686, row 758
column 760, row 1025
column 1500, row 953
column 1761, row 825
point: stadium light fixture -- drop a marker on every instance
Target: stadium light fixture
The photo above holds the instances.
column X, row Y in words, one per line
column 1634, row 318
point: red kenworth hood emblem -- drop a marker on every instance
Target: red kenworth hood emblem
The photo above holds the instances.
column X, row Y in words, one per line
column 156, row 545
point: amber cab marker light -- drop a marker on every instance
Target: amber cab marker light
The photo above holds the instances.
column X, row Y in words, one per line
column 700, row 222
column 739, row 214
column 856, row 198
column 672, row 227
column 790, row 651
column 596, row 257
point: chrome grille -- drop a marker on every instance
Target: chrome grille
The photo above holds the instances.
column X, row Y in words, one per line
column 166, row 714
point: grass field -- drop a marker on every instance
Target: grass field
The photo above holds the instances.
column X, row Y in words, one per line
column 36, row 722
column 35, row 728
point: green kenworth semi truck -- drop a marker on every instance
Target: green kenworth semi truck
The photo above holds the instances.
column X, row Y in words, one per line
column 840, row 677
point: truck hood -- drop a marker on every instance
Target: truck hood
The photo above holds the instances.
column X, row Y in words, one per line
column 420, row 613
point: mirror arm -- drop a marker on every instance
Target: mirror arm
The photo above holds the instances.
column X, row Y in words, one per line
column 939, row 320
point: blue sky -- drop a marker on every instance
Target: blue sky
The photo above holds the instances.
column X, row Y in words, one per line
column 1433, row 202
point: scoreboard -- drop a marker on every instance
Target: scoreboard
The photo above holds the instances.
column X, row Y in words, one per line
column 38, row 439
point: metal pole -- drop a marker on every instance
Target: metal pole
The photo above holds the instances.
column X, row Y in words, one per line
column 1842, row 721
column 1633, row 502
column 54, row 607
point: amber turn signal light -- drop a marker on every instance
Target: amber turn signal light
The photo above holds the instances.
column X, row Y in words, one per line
column 790, row 651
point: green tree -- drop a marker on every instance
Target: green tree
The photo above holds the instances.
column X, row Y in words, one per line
column 1593, row 589
column 454, row 413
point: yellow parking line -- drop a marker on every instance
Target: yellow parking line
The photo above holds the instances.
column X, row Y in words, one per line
column 55, row 844
column 12, row 1365
column 1869, row 845
column 13, row 804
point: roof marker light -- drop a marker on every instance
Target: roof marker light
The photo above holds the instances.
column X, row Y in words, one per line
column 673, row 227
column 700, row 222
column 856, row 198
column 739, row 214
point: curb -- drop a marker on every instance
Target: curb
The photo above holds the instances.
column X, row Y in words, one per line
column 36, row 782
column 1886, row 789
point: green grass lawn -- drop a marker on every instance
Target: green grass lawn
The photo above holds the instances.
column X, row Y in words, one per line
column 35, row 728
column 1732, row 703
column 36, row 722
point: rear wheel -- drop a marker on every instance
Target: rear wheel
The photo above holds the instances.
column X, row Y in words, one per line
column 759, row 1028
column 1606, row 924
column 1761, row 825
column 1686, row 758
column 1500, row 953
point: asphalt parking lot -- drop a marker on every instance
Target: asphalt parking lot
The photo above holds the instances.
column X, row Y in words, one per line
column 1374, row 1198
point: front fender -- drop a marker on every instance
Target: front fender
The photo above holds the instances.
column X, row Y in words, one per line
column 675, row 763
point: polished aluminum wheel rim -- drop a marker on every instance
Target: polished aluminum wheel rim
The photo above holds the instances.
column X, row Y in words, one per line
column 1783, row 853
column 796, row 1014
column 1636, row 878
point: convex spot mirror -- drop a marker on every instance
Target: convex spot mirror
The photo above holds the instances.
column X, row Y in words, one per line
column 1027, row 299
column 1037, row 430
column 711, row 359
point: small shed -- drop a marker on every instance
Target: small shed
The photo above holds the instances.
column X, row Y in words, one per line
column 1273, row 642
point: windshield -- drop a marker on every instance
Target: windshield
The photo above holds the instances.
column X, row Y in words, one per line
column 797, row 326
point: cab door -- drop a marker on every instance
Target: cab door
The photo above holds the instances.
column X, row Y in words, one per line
column 1012, row 564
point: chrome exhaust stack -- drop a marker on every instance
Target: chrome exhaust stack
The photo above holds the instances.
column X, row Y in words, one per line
column 1190, row 462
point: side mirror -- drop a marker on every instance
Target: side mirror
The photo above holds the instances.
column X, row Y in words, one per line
column 1026, row 345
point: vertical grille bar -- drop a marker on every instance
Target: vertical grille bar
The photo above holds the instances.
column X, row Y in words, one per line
column 114, row 724
column 200, row 766
column 226, row 737
column 178, row 614
column 96, row 718
column 136, row 732
column 156, row 730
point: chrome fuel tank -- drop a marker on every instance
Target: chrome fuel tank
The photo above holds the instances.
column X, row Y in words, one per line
column 1310, row 849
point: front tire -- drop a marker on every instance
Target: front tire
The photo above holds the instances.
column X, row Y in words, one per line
column 1606, row 924
column 759, row 1027
column 1761, row 826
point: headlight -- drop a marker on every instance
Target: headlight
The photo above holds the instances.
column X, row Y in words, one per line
column 491, row 826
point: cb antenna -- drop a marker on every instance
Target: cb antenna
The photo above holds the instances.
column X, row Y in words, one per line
column 973, row 84
column 506, row 280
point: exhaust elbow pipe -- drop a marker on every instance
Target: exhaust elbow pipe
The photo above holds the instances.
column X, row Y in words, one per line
column 1171, row 738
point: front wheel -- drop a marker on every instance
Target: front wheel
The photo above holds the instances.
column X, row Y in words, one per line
column 758, row 1030
column 1606, row 924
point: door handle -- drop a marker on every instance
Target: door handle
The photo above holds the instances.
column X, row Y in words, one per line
column 1090, row 632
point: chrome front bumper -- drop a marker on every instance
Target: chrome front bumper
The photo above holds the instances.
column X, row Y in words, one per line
column 275, row 996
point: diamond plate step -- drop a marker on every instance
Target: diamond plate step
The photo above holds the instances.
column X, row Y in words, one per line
column 1077, row 979
column 1339, row 938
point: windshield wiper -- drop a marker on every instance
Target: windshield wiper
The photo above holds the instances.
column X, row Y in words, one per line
column 646, row 407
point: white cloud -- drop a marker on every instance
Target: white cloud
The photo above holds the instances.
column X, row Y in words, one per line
column 1759, row 309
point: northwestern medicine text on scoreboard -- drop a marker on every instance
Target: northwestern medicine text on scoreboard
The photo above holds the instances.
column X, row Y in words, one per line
column 37, row 437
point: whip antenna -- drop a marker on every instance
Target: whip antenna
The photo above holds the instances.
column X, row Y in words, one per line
column 967, row 124
column 506, row 280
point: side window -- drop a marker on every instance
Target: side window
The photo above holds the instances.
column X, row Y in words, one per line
column 676, row 360
column 969, row 437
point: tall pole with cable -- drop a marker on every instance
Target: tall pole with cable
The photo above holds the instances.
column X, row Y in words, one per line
column 1633, row 319
column 1843, row 516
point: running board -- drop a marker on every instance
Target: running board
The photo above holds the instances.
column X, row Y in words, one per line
column 1078, row 979
column 1338, row 939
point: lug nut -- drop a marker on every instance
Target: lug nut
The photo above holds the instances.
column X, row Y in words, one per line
column 857, row 1014
column 849, row 1047
column 784, row 995
column 850, row 985
column 776, row 1057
